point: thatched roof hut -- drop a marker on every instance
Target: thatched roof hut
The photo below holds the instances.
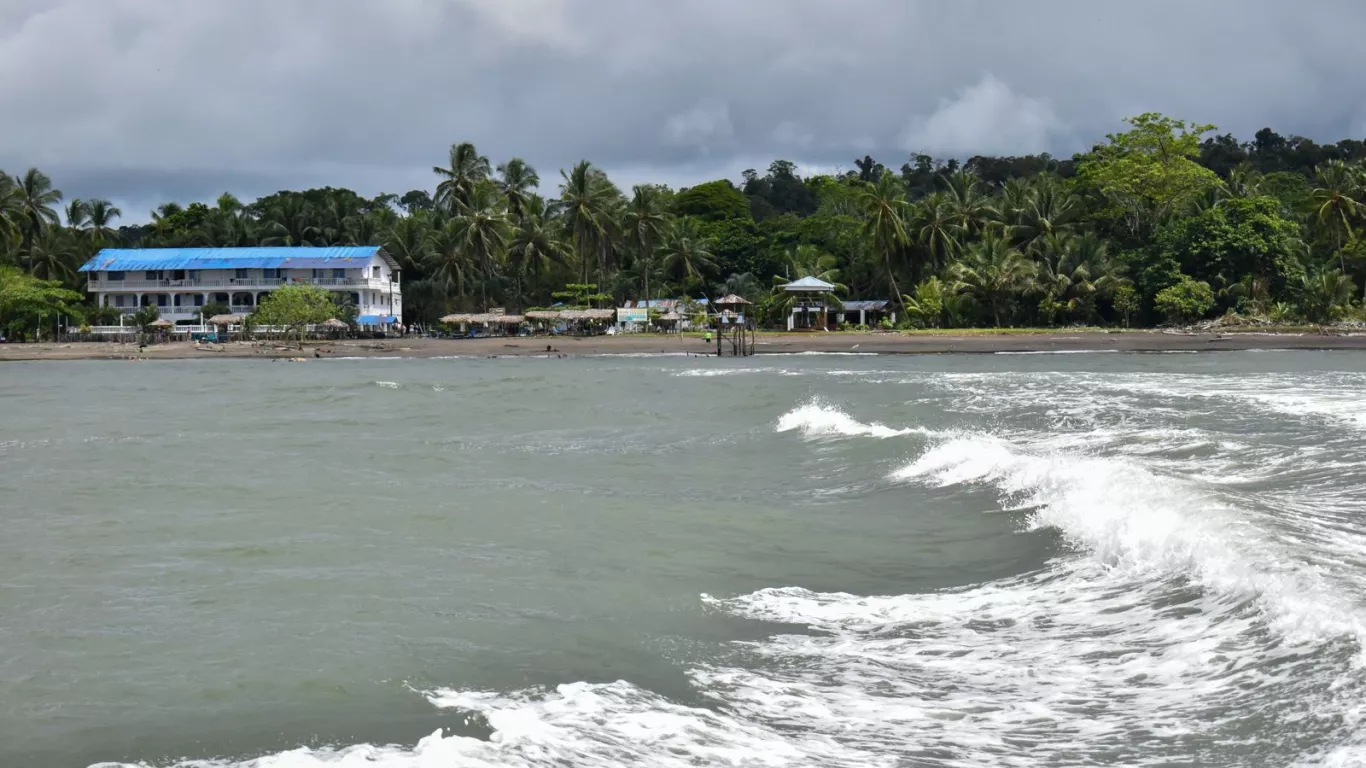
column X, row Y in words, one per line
column 226, row 319
column 163, row 323
column 334, row 323
column 731, row 299
column 571, row 315
column 481, row 319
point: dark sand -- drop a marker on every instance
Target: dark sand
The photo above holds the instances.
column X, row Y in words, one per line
column 880, row 343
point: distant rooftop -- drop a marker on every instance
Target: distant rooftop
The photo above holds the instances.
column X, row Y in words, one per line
column 139, row 259
column 809, row 285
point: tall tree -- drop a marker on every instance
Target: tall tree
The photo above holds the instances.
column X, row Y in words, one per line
column 37, row 202
column 993, row 271
column 644, row 226
column 517, row 180
column 467, row 168
column 587, row 202
column 1337, row 202
column 535, row 246
column 884, row 208
column 685, row 253
column 99, row 222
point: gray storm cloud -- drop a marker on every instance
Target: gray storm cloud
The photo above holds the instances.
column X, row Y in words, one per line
column 145, row 100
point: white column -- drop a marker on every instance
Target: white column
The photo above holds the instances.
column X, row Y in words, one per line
column 862, row 317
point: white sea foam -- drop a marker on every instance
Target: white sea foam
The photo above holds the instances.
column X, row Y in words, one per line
column 1130, row 518
column 388, row 384
column 818, row 419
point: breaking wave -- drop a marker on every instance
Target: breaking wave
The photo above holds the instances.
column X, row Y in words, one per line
column 818, row 419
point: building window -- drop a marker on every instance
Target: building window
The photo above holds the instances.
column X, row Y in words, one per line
column 240, row 274
column 283, row 274
column 194, row 274
column 318, row 274
column 118, row 300
column 114, row 277
column 199, row 299
column 374, row 271
column 270, row 274
column 161, row 299
column 339, row 274
column 152, row 274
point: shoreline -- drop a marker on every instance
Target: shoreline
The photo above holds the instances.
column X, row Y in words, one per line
column 768, row 344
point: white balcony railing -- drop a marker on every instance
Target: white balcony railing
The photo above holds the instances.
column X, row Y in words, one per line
column 371, row 283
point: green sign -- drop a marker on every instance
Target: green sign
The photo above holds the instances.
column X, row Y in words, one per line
column 633, row 315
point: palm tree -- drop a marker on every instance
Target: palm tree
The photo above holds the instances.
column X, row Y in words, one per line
column 644, row 226
column 586, row 203
column 484, row 235
column 971, row 207
column 77, row 213
column 1323, row 294
column 467, row 169
column 37, row 199
column 99, row 222
column 54, row 255
column 447, row 257
column 1048, row 209
column 685, row 253
column 535, row 244
column 1335, row 201
column 884, row 208
column 516, row 182
column 933, row 227
column 11, row 213
column 992, row 271
column 289, row 223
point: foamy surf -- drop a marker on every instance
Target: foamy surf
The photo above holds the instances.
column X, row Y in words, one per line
column 817, row 419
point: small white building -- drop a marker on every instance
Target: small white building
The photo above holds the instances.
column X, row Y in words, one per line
column 179, row 282
column 810, row 303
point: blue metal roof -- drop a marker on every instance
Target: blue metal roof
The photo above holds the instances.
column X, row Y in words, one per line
column 139, row 259
column 376, row 320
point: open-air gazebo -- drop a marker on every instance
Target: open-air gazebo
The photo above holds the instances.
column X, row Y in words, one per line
column 810, row 303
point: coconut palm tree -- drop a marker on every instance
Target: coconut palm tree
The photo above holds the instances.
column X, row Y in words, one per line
column 972, row 209
column 54, row 255
column 1337, row 201
column 11, row 213
column 517, row 181
column 447, row 258
column 992, row 271
column 535, row 245
column 484, row 233
column 77, row 213
column 99, row 222
column 685, row 253
column 587, row 202
column 1049, row 209
column 884, row 209
column 1323, row 294
column 37, row 201
column 467, row 169
column 290, row 223
column 644, row 226
column 933, row 227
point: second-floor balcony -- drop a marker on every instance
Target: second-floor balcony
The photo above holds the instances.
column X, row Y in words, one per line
column 370, row 283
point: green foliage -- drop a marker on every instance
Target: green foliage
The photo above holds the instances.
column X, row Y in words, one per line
column 295, row 306
column 1185, row 301
column 144, row 317
column 1028, row 239
column 1239, row 236
column 583, row 295
column 29, row 304
column 712, row 201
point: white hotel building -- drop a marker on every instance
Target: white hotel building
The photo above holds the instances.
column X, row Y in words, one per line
column 180, row 281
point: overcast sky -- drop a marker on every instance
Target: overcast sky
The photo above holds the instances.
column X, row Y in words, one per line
column 150, row 100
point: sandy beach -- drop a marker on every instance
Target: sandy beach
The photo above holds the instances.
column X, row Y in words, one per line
column 866, row 343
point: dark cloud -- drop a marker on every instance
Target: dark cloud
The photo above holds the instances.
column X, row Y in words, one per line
column 144, row 100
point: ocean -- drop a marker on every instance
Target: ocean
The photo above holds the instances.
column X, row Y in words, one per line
column 807, row 560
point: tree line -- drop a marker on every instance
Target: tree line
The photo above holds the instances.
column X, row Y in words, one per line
column 1166, row 221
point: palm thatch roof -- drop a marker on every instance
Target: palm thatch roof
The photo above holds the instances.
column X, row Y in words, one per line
column 226, row 319
column 334, row 323
column 163, row 323
column 731, row 298
column 482, row 319
column 670, row 317
column 572, row 314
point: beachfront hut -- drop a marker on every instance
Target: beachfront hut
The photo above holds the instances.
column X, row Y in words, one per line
column 485, row 319
column 669, row 320
column 583, row 320
column 335, row 327
column 810, row 303
column 867, row 312
column 734, row 324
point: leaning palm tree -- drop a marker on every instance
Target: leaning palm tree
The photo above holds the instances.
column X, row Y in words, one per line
column 467, row 169
column 1336, row 201
column 516, row 181
column 37, row 201
column 884, row 209
column 685, row 253
column 586, row 204
column 992, row 271
column 644, row 226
